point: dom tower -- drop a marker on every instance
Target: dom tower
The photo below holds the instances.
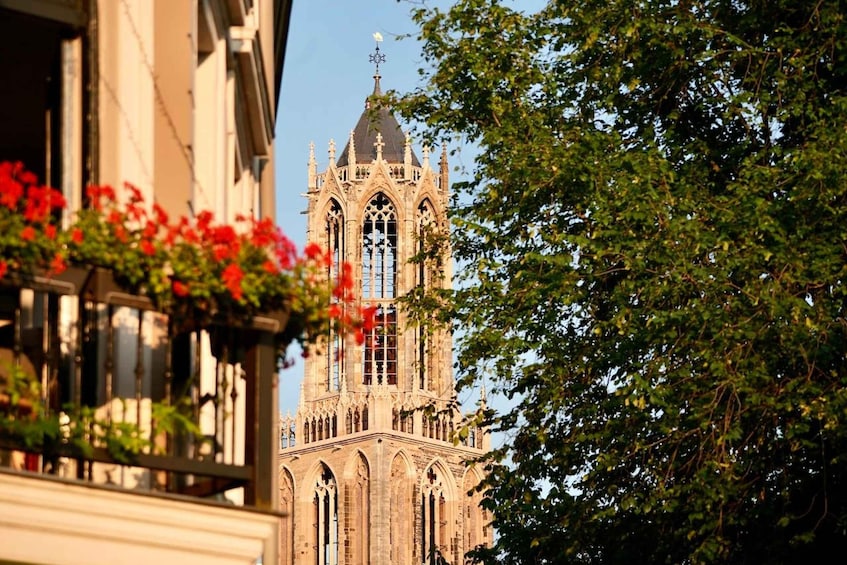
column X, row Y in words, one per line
column 366, row 476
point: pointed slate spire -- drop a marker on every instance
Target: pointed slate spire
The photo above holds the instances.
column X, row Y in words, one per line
column 372, row 121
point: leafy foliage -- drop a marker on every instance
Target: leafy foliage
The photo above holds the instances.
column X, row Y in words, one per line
column 656, row 253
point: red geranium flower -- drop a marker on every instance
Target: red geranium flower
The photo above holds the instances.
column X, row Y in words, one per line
column 57, row 265
column 148, row 248
column 232, row 276
column 180, row 289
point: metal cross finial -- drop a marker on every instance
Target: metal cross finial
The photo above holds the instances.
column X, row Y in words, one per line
column 377, row 57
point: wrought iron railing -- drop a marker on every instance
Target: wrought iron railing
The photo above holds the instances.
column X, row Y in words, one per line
column 97, row 385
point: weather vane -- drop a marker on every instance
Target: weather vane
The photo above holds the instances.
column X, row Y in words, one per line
column 377, row 57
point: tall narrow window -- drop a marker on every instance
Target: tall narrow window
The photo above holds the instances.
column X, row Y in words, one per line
column 379, row 274
column 335, row 244
column 381, row 347
column 325, row 518
column 425, row 226
column 433, row 519
column 379, row 253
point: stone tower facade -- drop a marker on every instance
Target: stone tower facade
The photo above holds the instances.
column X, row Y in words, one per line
column 366, row 475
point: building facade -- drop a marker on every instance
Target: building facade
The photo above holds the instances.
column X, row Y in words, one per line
column 177, row 97
column 371, row 469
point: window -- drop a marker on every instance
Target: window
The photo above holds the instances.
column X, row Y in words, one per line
column 334, row 236
column 42, row 89
column 433, row 519
column 425, row 276
column 325, row 518
column 379, row 273
column 380, row 364
column 379, row 253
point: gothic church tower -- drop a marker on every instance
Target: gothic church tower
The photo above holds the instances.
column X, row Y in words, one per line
column 365, row 477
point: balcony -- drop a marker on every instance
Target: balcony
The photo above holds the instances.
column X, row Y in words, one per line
column 98, row 387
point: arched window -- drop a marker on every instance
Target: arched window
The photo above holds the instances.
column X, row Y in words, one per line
column 426, row 231
column 379, row 277
column 334, row 234
column 325, row 518
column 433, row 519
column 379, row 249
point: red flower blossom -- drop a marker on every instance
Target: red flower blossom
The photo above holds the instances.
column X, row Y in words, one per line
column 180, row 289
column 57, row 199
column 223, row 235
column 204, row 220
column 57, row 265
column 28, row 233
column 147, row 247
column 150, row 230
column 334, row 311
column 50, row 231
column 36, row 208
column 10, row 192
column 3, row 268
column 232, row 276
column 313, row 251
column 77, row 236
column 264, row 233
column 120, row 233
column 368, row 318
column 270, row 267
column 134, row 193
column 344, row 288
column 161, row 215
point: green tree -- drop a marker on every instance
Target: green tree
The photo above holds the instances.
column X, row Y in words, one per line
column 655, row 250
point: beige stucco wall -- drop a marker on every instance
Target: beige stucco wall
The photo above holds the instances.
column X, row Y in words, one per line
column 58, row 522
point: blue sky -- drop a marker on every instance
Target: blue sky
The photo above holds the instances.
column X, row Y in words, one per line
column 326, row 78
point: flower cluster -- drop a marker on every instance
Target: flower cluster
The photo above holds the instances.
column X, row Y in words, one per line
column 196, row 270
column 28, row 222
